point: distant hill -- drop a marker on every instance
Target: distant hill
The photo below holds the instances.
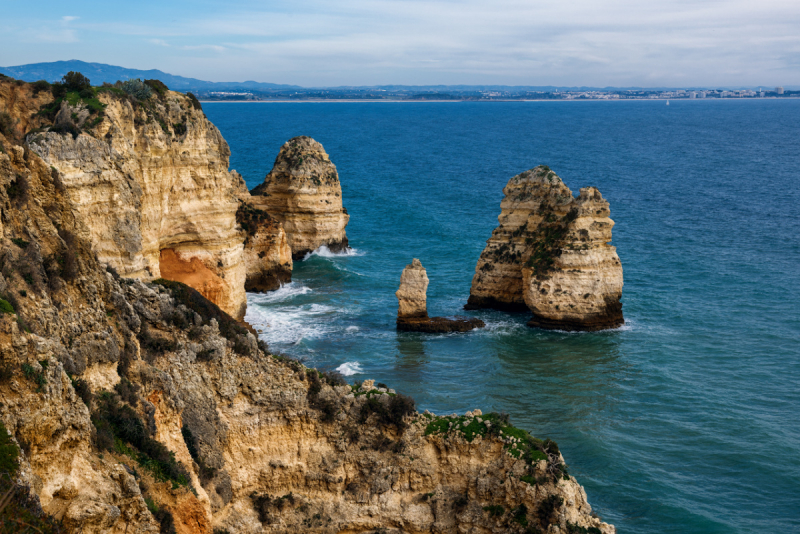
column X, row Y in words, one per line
column 99, row 73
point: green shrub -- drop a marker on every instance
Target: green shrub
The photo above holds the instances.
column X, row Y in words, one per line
column 6, row 307
column 195, row 103
column 572, row 528
column 137, row 89
column 66, row 129
column 75, row 81
column 6, row 123
column 179, row 128
column 520, row 515
column 229, row 328
column 40, row 86
column 547, row 508
column 494, row 510
column 21, row 243
column 125, row 427
column 399, row 406
column 82, row 389
column 35, row 376
column 158, row 86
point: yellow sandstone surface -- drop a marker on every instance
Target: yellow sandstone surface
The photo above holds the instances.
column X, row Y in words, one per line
column 550, row 254
column 304, row 194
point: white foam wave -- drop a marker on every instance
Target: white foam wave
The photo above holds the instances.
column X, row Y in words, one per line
column 285, row 292
column 349, row 368
column 325, row 252
column 351, row 329
column 289, row 325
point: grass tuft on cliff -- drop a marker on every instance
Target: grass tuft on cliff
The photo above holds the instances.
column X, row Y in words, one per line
column 517, row 442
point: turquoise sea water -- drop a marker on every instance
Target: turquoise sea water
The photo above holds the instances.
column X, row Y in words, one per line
column 686, row 420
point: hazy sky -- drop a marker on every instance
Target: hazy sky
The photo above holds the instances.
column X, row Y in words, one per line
column 370, row 42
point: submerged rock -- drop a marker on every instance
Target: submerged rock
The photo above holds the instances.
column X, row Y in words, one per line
column 550, row 254
column 303, row 193
column 412, row 313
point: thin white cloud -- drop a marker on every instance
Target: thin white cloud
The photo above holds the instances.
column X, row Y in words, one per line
column 69, row 18
column 525, row 42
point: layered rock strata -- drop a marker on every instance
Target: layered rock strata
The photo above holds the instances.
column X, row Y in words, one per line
column 267, row 255
column 412, row 312
column 550, row 254
column 304, row 194
column 139, row 407
column 150, row 180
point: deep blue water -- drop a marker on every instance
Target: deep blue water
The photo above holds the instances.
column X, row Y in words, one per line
column 686, row 420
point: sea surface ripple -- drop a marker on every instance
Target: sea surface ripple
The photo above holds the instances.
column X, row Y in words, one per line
column 686, row 420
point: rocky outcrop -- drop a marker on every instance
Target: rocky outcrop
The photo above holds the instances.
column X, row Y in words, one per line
column 550, row 254
column 138, row 406
column 151, row 183
column 267, row 255
column 303, row 193
column 412, row 312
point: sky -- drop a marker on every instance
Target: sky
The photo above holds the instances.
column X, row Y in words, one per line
column 314, row 43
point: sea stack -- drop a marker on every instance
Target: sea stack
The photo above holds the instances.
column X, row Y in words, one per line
column 412, row 312
column 303, row 193
column 550, row 254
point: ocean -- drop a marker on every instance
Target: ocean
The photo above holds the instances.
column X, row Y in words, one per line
column 685, row 420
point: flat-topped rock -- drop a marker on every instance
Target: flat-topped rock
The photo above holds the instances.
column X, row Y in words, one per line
column 412, row 313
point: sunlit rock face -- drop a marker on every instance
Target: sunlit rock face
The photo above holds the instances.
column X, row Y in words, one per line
column 550, row 254
column 153, row 177
column 303, row 193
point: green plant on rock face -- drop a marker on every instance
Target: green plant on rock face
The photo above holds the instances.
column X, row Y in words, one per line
column 35, row 376
column 120, row 428
column 6, row 307
column 6, row 123
column 494, row 510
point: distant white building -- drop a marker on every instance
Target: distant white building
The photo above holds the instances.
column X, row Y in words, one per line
column 779, row 90
column 693, row 95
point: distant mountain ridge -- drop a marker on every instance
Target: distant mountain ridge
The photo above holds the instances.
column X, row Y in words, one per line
column 100, row 72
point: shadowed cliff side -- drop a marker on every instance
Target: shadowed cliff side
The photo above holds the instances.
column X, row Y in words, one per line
column 550, row 254
column 302, row 191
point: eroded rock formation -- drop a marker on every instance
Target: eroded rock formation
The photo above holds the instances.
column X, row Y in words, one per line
column 550, row 254
column 267, row 255
column 303, row 193
column 150, row 180
column 412, row 312
column 115, row 390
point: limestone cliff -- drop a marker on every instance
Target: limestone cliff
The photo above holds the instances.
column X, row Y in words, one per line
column 412, row 312
column 150, row 180
column 267, row 255
column 550, row 254
column 303, row 193
column 139, row 406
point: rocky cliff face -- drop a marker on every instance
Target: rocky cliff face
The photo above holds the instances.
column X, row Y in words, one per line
column 303, row 193
column 140, row 406
column 151, row 183
column 412, row 312
column 267, row 255
column 550, row 254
